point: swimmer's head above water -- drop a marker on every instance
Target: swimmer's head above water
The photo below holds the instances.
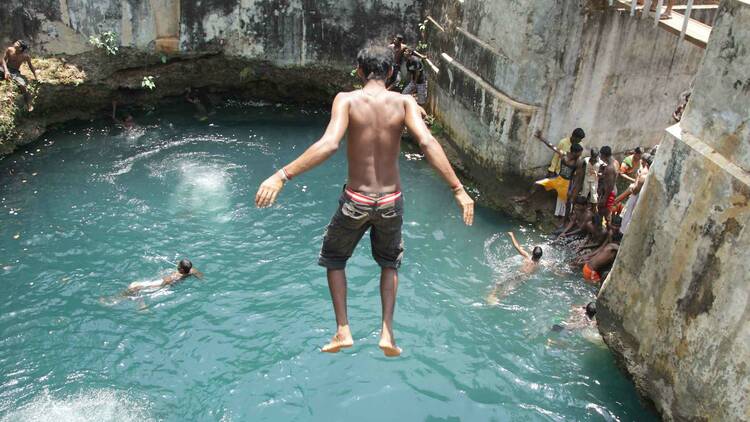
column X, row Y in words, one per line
column 591, row 310
column 536, row 254
column 184, row 266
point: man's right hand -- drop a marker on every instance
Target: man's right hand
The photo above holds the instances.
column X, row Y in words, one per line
column 7, row 76
column 268, row 191
column 467, row 206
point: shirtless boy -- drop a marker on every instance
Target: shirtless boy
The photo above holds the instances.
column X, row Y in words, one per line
column 602, row 260
column 13, row 58
column 530, row 264
column 373, row 118
column 184, row 269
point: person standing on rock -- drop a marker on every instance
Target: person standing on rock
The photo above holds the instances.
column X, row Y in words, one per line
column 374, row 119
column 417, row 78
column 398, row 50
column 564, row 145
column 561, row 182
column 607, row 182
column 13, row 58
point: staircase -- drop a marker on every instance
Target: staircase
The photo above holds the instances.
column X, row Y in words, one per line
column 696, row 31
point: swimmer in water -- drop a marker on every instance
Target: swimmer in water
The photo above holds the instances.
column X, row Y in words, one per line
column 128, row 123
column 530, row 264
column 184, row 269
column 580, row 317
column 531, row 261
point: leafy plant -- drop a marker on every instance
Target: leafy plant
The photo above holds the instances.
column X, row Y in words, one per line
column 107, row 41
column 422, row 46
column 423, row 25
column 148, row 82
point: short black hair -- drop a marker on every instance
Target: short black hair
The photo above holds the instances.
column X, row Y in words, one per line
column 617, row 237
column 616, row 219
column 648, row 158
column 576, row 148
column 375, row 62
column 536, row 254
column 591, row 310
column 581, row 200
column 578, row 133
column 594, row 153
column 399, row 37
column 637, row 150
column 22, row 44
column 184, row 266
column 606, row 151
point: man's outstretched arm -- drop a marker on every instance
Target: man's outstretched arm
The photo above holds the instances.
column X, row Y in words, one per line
column 318, row 152
column 436, row 157
column 518, row 247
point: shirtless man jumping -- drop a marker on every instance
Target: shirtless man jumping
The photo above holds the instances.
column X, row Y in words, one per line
column 13, row 58
column 374, row 119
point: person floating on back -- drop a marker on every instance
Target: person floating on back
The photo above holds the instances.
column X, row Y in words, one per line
column 184, row 270
column 13, row 58
column 374, row 119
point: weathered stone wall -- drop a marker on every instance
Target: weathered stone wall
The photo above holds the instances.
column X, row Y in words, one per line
column 676, row 306
column 296, row 51
column 509, row 68
column 283, row 32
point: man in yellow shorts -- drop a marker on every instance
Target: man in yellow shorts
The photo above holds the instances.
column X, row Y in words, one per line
column 561, row 182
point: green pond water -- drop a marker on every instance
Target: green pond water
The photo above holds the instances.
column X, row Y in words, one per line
column 89, row 209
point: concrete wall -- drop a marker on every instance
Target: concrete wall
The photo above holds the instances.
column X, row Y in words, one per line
column 676, row 305
column 558, row 65
column 285, row 32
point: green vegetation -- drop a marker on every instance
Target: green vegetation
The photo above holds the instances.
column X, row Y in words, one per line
column 8, row 109
column 436, row 128
column 148, row 82
column 422, row 43
column 52, row 71
column 107, row 41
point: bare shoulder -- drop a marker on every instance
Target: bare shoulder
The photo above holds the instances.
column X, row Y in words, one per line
column 344, row 96
column 407, row 101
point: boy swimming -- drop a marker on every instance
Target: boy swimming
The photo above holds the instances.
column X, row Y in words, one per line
column 184, row 269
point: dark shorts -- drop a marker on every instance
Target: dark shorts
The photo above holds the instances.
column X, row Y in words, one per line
column 15, row 76
column 349, row 224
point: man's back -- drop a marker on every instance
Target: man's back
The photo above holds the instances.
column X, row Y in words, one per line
column 376, row 121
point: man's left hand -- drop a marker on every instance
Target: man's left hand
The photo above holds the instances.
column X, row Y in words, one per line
column 268, row 191
column 467, row 206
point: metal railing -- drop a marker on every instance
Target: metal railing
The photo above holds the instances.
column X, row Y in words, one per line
column 686, row 7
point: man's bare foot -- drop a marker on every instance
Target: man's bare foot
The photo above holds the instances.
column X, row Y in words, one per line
column 341, row 340
column 387, row 345
column 389, row 349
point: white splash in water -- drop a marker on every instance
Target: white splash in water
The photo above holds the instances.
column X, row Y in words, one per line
column 203, row 187
column 89, row 406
